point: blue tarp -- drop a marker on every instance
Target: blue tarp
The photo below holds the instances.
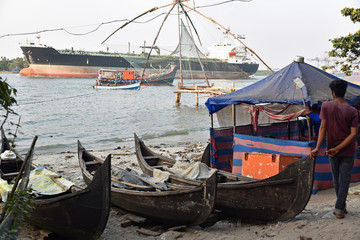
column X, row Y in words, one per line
column 279, row 87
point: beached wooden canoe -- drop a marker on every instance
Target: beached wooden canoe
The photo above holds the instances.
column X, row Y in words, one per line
column 76, row 214
column 279, row 197
column 190, row 206
column 82, row 214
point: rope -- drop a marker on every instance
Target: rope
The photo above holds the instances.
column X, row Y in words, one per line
column 55, row 99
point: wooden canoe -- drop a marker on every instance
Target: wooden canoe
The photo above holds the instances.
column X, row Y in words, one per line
column 79, row 214
column 82, row 214
column 190, row 206
column 279, row 197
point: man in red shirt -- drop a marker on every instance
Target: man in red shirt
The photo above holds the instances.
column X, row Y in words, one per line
column 339, row 121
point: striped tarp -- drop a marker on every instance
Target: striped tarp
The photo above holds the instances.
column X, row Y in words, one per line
column 323, row 176
column 221, row 140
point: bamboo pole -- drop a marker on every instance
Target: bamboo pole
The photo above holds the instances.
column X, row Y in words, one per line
column 180, row 57
column 141, row 178
column 144, row 13
column 152, row 46
column 212, row 120
column 197, row 50
column 227, row 31
column 234, row 117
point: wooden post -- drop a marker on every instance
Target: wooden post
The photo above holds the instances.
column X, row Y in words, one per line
column 197, row 95
column 212, row 120
column 234, row 117
column 178, row 94
column 177, row 98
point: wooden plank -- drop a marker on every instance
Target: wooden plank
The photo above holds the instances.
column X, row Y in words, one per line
column 92, row 163
column 135, row 218
column 131, row 184
column 148, row 232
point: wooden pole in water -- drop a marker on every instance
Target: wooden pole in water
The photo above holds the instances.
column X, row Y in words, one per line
column 178, row 94
column 197, row 96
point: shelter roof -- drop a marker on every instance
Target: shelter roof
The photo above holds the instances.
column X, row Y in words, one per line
column 279, row 87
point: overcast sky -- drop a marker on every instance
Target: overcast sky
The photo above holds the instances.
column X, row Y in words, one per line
column 277, row 30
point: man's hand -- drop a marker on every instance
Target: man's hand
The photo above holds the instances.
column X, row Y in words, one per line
column 314, row 153
column 332, row 152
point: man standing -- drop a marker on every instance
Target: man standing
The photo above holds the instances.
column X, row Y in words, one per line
column 339, row 121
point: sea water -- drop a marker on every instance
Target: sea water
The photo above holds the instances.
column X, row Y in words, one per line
column 61, row 111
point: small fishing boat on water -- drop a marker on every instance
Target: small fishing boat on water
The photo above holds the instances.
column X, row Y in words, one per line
column 171, row 205
column 279, row 197
column 131, row 79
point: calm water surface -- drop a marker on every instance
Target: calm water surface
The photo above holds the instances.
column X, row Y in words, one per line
column 61, row 111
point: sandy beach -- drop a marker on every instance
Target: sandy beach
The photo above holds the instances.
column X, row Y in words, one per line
column 316, row 221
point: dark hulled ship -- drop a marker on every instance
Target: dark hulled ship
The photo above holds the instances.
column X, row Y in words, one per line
column 45, row 61
column 223, row 61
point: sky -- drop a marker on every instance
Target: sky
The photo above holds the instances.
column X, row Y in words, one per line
column 277, row 30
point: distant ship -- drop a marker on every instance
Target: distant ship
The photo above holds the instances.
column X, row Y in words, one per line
column 45, row 61
column 223, row 61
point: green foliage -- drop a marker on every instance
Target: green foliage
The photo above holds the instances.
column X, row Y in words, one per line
column 347, row 48
column 6, row 92
column 324, row 68
column 7, row 98
column 13, row 65
column 21, row 206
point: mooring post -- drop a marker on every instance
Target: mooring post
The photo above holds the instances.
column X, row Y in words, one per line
column 197, row 96
column 177, row 98
column 178, row 94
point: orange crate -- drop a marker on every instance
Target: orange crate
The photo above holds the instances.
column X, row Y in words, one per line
column 264, row 165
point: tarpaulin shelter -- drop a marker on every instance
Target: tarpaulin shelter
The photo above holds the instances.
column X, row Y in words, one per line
column 272, row 112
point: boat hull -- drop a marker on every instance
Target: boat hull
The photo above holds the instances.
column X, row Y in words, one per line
column 48, row 62
column 133, row 86
column 61, row 71
column 280, row 197
column 79, row 215
column 190, row 206
column 191, row 68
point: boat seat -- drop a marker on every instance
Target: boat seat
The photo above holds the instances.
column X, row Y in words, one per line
column 92, row 163
column 160, row 166
column 9, row 175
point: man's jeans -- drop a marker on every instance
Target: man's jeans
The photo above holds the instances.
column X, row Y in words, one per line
column 341, row 168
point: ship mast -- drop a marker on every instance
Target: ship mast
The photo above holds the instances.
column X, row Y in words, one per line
column 227, row 31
